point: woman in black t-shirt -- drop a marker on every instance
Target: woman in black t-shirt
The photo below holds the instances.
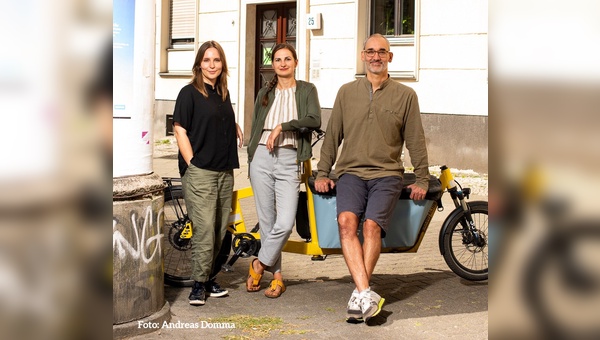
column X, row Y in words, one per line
column 206, row 132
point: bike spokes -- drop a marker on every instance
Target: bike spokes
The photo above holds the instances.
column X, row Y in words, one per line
column 471, row 251
column 177, row 250
column 466, row 248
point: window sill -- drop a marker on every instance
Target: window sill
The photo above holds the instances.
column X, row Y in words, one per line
column 180, row 49
column 181, row 74
column 404, row 75
column 402, row 41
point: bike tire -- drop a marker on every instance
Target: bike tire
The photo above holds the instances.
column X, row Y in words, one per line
column 561, row 284
column 177, row 256
column 463, row 257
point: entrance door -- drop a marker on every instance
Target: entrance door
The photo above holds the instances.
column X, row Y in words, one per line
column 275, row 24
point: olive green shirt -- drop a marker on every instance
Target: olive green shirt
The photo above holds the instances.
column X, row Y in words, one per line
column 374, row 127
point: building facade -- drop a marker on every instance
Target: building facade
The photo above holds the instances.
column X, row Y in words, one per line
column 440, row 50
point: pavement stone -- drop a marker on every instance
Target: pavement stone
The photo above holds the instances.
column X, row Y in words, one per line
column 424, row 298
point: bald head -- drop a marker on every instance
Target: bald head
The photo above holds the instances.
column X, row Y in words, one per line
column 377, row 36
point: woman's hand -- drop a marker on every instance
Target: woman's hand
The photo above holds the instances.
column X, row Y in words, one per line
column 240, row 135
column 272, row 137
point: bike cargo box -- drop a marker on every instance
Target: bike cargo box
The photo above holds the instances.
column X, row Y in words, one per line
column 404, row 225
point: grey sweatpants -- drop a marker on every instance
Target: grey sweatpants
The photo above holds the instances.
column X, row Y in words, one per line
column 275, row 184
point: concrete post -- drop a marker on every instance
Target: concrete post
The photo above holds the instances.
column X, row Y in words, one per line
column 138, row 200
column 138, row 275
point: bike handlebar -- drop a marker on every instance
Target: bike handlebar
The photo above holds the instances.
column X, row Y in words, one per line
column 171, row 179
column 305, row 130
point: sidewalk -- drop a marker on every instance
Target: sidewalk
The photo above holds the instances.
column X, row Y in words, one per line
column 424, row 298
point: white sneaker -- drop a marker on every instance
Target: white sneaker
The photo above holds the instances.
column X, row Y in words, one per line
column 370, row 304
column 354, row 313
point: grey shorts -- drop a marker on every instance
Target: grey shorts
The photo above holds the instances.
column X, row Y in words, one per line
column 374, row 199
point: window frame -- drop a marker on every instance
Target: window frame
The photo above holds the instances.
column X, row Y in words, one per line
column 169, row 55
column 396, row 39
column 187, row 24
column 398, row 42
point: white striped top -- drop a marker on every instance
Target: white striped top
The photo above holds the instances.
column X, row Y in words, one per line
column 283, row 110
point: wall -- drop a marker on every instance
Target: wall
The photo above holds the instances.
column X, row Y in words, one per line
column 162, row 108
column 447, row 65
column 333, row 48
column 458, row 141
column 219, row 20
column 452, row 75
column 453, row 82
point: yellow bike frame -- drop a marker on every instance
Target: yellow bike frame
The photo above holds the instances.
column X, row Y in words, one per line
column 311, row 247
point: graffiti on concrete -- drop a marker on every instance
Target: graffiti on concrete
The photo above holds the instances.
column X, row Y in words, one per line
column 144, row 246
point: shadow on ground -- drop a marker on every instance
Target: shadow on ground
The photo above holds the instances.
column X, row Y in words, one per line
column 416, row 295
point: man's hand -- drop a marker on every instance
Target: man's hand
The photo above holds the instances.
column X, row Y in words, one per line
column 324, row 184
column 416, row 193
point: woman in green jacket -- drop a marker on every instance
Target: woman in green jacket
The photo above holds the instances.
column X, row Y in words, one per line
column 275, row 150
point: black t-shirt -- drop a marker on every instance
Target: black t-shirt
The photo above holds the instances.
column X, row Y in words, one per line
column 210, row 126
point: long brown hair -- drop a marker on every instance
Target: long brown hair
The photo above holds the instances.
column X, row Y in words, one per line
column 273, row 82
column 197, row 79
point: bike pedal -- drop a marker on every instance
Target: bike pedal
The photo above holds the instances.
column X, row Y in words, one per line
column 186, row 233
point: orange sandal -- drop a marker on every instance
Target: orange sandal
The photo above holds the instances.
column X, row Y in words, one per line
column 272, row 291
column 255, row 285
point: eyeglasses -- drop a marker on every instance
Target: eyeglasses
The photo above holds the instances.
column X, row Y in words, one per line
column 371, row 53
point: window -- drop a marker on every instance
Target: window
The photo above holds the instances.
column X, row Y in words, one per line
column 177, row 37
column 182, row 20
column 397, row 20
column 393, row 17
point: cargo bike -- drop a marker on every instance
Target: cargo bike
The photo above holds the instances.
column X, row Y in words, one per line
column 463, row 236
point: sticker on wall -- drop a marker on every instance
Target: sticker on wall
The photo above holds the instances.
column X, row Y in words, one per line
column 146, row 137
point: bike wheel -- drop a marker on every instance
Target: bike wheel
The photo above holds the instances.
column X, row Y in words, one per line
column 177, row 252
column 562, row 283
column 466, row 255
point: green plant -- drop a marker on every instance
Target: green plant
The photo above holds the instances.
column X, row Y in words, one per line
column 257, row 326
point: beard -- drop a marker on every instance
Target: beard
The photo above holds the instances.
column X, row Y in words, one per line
column 377, row 67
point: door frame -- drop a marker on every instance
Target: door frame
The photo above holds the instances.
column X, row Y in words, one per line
column 247, row 58
column 279, row 38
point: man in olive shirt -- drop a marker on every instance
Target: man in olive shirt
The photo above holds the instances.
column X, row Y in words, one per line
column 374, row 116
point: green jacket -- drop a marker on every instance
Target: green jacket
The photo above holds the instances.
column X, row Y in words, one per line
column 309, row 116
